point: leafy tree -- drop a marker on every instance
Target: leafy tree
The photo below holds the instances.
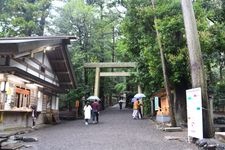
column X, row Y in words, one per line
column 120, row 87
column 140, row 39
column 212, row 42
column 96, row 29
column 97, row 24
column 23, row 17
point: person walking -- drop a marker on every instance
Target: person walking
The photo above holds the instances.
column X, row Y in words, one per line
column 121, row 103
column 87, row 112
column 140, row 105
column 77, row 104
column 135, row 109
column 95, row 110
column 34, row 115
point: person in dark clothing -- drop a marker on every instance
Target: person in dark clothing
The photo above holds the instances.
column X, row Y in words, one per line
column 95, row 110
column 121, row 102
column 34, row 115
column 139, row 110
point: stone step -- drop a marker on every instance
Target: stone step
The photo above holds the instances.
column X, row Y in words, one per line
column 172, row 129
column 220, row 136
column 12, row 146
column 67, row 117
column 7, row 134
column 173, row 138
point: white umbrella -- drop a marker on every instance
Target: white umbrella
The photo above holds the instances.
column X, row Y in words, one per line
column 93, row 98
column 139, row 95
column 133, row 99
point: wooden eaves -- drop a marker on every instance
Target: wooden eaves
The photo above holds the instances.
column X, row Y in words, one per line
column 26, row 46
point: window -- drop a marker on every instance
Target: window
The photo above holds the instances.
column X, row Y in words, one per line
column 4, row 60
column 42, row 69
column 22, row 97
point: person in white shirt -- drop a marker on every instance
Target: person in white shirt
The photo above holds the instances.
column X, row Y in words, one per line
column 87, row 112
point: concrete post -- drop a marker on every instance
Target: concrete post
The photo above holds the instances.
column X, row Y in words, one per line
column 97, row 77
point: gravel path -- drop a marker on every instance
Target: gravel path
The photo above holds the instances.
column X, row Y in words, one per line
column 115, row 131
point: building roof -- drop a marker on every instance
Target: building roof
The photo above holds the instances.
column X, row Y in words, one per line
column 58, row 57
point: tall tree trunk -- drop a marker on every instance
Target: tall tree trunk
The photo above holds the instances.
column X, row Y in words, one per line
column 196, row 62
column 102, row 34
column 221, row 72
column 42, row 25
column 221, row 65
column 113, row 46
column 43, row 19
column 102, row 81
column 165, row 76
column 180, row 102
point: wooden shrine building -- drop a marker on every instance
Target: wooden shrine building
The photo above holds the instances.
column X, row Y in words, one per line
column 33, row 72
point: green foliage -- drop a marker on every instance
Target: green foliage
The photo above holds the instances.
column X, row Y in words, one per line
column 219, row 99
column 77, row 93
column 220, row 89
column 140, row 39
column 137, row 42
column 120, row 87
column 211, row 31
column 93, row 24
column 147, row 107
column 68, row 100
column 23, row 17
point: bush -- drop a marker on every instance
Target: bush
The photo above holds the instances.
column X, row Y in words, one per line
column 147, row 107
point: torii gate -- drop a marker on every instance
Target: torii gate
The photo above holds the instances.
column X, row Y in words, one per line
column 99, row 74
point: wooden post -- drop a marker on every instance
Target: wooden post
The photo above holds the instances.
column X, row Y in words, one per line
column 139, row 89
column 141, row 102
column 196, row 62
column 1, row 116
column 97, row 77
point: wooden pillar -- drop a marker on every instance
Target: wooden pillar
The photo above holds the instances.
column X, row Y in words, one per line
column 139, row 89
column 97, row 78
column 196, row 65
column 1, row 116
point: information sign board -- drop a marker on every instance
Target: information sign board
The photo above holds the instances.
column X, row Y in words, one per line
column 194, row 113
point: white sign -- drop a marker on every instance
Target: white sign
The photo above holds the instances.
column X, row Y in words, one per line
column 194, row 113
column 156, row 103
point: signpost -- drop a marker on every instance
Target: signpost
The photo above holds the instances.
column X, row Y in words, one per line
column 194, row 113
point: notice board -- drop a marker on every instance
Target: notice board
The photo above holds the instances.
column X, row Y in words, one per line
column 194, row 113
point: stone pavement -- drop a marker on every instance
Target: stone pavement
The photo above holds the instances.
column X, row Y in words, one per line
column 116, row 131
column 14, row 138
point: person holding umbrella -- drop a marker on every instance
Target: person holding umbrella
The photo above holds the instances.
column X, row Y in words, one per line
column 139, row 96
column 135, row 109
